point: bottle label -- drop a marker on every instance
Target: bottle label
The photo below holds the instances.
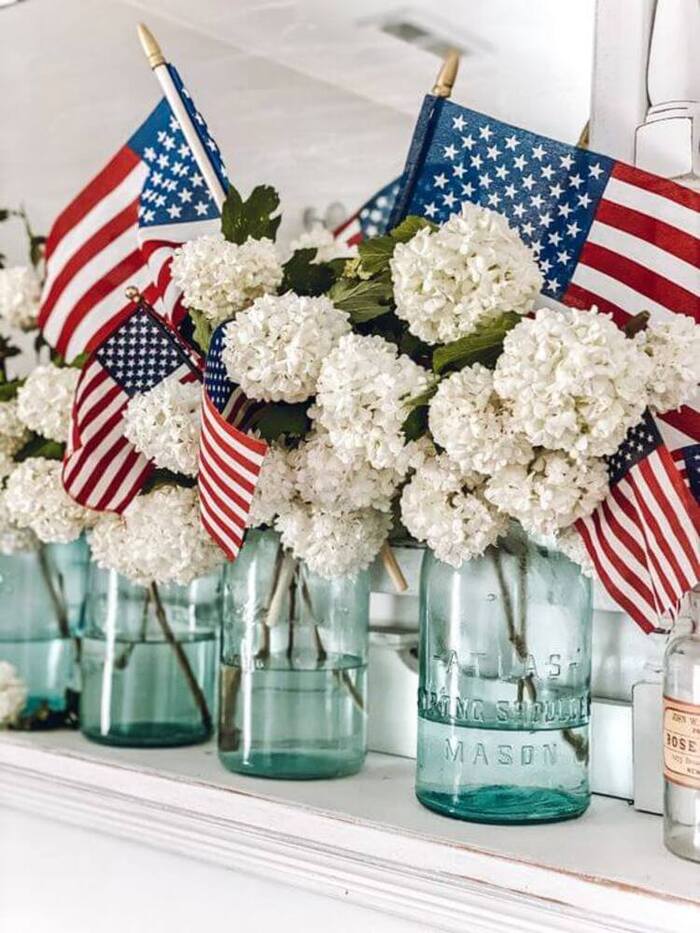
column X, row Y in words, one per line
column 682, row 743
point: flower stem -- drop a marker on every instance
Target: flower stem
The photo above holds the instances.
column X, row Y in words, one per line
column 55, row 595
column 182, row 659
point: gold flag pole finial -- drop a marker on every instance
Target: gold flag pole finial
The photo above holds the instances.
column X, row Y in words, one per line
column 150, row 46
column 447, row 75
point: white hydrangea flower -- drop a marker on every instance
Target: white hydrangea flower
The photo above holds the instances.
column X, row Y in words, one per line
column 158, row 538
column 329, row 483
column 20, row 291
column 333, row 544
column 46, row 399
column 468, row 272
column 275, row 487
column 275, row 349
column 326, row 246
column 551, row 493
column 220, row 278
column 35, row 499
column 13, row 435
column 467, row 418
column 574, row 381
column 164, row 425
column 445, row 507
column 13, row 694
column 13, row 538
column 674, row 349
column 362, row 395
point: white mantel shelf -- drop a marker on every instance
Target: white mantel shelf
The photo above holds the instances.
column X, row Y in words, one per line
column 364, row 839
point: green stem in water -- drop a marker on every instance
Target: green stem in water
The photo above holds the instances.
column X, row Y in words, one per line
column 55, row 595
column 182, row 659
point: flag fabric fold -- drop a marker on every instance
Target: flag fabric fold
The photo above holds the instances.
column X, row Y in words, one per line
column 123, row 227
column 372, row 219
column 229, row 459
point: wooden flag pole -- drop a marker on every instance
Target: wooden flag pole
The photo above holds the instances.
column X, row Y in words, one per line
column 158, row 64
column 447, row 75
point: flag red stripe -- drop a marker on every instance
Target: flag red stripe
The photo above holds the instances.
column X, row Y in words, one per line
column 633, row 609
column 642, row 280
column 669, row 510
column 683, row 245
column 662, row 186
column 114, row 227
column 578, row 297
column 621, row 533
column 235, row 519
column 211, row 452
column 83, row 453
column 616, row 559
column 115, row 488
column 109, row 178
column 632, row 510
column 685, row 419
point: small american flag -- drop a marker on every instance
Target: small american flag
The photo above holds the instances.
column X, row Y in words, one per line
column 603, row 232
column 229, row 459
column 372, row 219
column 101, row 468
column 643, row 538
column 122, row 229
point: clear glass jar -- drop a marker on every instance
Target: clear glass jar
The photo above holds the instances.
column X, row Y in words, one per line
column 293, row 692
column 148, row 661
column 681, row 735
column 41, row 594
column 504, row 690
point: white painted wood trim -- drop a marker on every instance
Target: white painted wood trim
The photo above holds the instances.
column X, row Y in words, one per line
column 439, row 882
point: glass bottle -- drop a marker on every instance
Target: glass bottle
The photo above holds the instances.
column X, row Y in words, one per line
column 148, row 660
column 41, row 593
column 681, row 735
column 504, row 689
column 293, row 666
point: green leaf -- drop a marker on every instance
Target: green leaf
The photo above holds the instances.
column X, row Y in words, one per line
column 80, row 360
column 416, row 423
column 305, row 277
column 483, row 346
column 8, row 390
column 409, row 227
column 252, row 218
column 375, row 254
column 203, row 329
column 281, row 418
column 162, row 477
column 39, row 446
column 362, row 299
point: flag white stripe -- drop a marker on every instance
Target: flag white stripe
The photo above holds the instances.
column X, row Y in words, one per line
column 654, row 205
column 106, row 209
column 610, row 289
column 103, row 312
column 632, row 530
column 106, row 477
column 213, row 478
column 631, row 486
column 652, row 257
column 611, row 569
column 225, row 443
column 86, row 473
column 221, row 524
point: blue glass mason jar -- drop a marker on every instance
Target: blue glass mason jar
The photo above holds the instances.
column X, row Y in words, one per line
column 148, row 661
column 42, row 590
column 293, row 680
column 504, row 690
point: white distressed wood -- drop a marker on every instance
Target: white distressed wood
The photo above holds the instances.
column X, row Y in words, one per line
column 364, row 839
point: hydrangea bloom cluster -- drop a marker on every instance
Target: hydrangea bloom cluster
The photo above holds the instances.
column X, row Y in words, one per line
column 13, row 435
column 275, row 349
column 674, row 350
column 471, row 270
column 44, row 401
column 361, row 398
column 324, row 480
column 275, row 489
column 333, row 544
column 20, row 291
column 550, row 493
column 469, row 420
column 13, row 694
column 12, row 537
column 35, row 499
column 164, row 425
column 574, row 380
column 159, row 538
column 220, row 278
column 446, row 508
